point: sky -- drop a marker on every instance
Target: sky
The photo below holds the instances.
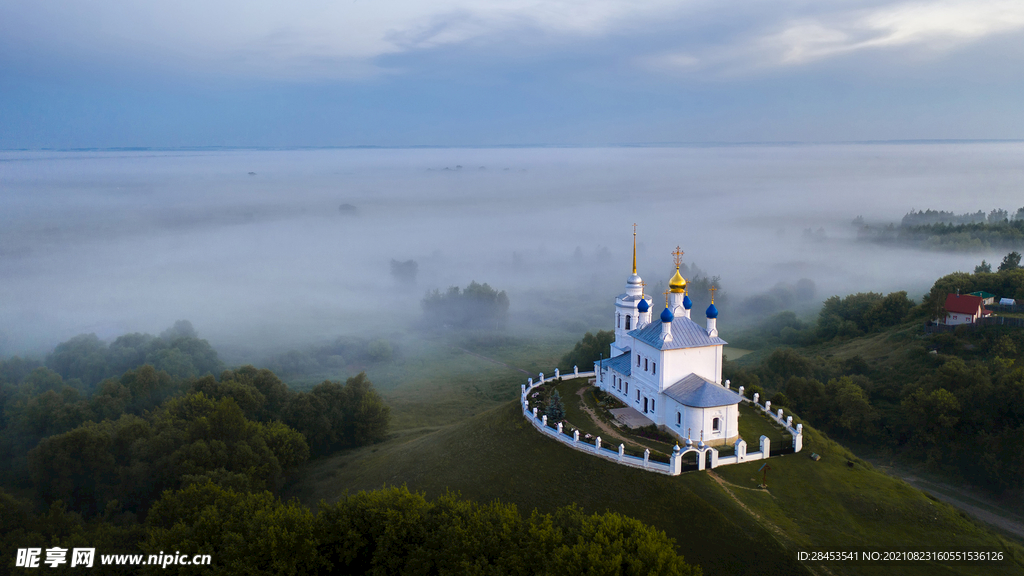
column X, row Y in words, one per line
column 191, row 73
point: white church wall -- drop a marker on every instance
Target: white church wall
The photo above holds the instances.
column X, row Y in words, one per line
column 705, row 361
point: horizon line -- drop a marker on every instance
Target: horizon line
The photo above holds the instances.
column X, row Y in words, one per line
column 708, row 144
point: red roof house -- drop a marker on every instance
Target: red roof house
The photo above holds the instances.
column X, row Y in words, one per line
column 964, row 308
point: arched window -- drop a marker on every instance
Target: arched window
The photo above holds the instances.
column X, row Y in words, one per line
column 654, row 367
column 637, row 395
column 716, row 425
column 627, row 387
column 652, row 404
column 679, row 418
column 637, row 360
column 645, row 364
column 618, row 320
column 627, row 322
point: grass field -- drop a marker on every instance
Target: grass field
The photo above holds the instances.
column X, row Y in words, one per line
column 728, row 528
column 457, row 427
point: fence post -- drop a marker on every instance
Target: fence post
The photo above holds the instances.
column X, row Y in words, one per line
column 780, row 413
column 675, row 462
column 524, row 389
column 622, row 450
column 535, row 412
column 557, row 376
column 597, row 445
column 541, row 377
column 575, row 370
column 647, row 456
column 544, row 420
column 766, row 447
column 559, row 428
column 789, row 421
column 575, row 436
column 728, row 385
column 741, row 390
column 530, row 380
column 768, row 406
column 756, row 396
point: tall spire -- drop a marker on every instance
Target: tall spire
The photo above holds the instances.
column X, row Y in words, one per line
column 677, row 284
column 634, row 248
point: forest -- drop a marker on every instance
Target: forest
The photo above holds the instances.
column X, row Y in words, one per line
column 165, row 456
column 939, row 230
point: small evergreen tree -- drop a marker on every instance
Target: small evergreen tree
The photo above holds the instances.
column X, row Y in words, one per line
column 555, row 410
column 983, row 267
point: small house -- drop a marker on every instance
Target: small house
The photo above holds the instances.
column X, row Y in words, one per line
column 986, row 297
column 964, row 309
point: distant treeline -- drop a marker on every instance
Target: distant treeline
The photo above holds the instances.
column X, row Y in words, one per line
column 954, row 400
column 948, row 231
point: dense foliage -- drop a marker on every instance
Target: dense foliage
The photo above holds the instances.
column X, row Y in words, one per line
column 954, row 400
column 590, row 349
column 478, row 306
column 85, row 360
column 394, row 531
column 129, row 438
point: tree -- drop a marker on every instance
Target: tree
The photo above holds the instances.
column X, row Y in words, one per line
column 588, row 350
column 983, row 268
column 245, row 533
column 478, row 306
column 1010, row 262
column 555, row 410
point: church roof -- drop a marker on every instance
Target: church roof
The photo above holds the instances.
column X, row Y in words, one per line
column 620, row 364
column 697, row 392
column 685, row 334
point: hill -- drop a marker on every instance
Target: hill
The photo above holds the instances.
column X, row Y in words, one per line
column 719, row 520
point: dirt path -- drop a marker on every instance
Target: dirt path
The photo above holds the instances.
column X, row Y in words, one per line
column 779, row 533
column 1002, row 519
column 597, row 421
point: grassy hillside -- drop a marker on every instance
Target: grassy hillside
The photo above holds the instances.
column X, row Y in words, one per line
column 719, row 520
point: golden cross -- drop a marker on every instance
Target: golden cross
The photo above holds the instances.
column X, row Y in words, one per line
column 712, row 293
column 666, row 298
column 642, row 286
column 678, row 256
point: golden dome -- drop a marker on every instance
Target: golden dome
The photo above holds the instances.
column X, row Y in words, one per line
column 677, row 283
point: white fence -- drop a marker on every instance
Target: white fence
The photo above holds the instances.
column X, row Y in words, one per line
column 707, row 457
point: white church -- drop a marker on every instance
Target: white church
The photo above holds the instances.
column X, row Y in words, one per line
column 670, row 369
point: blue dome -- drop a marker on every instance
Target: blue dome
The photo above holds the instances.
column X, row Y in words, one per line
column 712, row 312
column 643, row 306
column 666, row 315
column 687, row 303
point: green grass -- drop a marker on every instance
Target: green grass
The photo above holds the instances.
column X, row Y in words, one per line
column 498, row 455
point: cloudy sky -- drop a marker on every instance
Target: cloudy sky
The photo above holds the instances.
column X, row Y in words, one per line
column 122, row 73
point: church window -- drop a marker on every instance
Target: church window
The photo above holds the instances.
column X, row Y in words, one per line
column 716, row 425
column 627, row 387
column 627, row 322
column 637, row 360
column 637, row 395
column 679, row 418
column 652, row 404
column 618, row 320
column 645, row 364
column 654, row 367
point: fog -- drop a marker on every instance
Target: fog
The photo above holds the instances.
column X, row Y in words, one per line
column 112, row 242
